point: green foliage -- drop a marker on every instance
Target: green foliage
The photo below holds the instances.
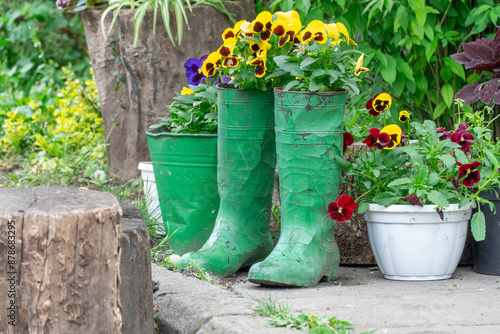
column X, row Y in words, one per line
column 407, row 45
column 140, row 8
column 320, row 68
column 62, row 141
column 193, row 112
column 36, row 39
column 282, row 316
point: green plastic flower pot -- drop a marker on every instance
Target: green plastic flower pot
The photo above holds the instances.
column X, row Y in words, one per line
column 185, row 169
column 308, row 137
column 246, row 164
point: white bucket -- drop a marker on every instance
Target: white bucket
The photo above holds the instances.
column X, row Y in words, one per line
column 151, row 195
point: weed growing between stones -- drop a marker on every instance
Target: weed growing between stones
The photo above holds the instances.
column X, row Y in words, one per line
column 282, row 316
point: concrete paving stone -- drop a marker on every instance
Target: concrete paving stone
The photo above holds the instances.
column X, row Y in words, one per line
column 466, row 303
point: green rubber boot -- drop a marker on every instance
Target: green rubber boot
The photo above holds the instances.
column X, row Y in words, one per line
column 245, row 177
column 308, row 136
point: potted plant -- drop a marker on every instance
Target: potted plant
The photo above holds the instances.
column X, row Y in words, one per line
column 246, row 147
column 184, row 155
column 315, row 74
column 417, row 191
column 136, row 84
column 483, row 55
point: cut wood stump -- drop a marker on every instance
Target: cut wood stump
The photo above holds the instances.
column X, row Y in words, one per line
column 60, row 261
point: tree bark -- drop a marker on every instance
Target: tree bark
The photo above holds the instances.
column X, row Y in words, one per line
column 61, row 269
column 150, row 73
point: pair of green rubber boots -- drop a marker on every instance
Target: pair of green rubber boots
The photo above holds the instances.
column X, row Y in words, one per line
column 305, row 139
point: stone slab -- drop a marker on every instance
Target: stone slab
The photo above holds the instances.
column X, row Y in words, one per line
column 466, row 303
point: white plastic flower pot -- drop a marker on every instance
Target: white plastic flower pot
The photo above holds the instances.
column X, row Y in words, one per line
column 413, row 243
column 151, row 195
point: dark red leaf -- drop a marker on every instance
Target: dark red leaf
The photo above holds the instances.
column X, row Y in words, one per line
column 413, row 199
column 496, row 98
column 479, row 51
column 469, row 93
column 487, row 90
column 460, row 58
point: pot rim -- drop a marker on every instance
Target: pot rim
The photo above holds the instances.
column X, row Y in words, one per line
column 415, row 208
column 150, row 133
column 279, row 89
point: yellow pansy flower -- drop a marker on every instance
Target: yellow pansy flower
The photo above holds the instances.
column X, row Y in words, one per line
column 394, row 133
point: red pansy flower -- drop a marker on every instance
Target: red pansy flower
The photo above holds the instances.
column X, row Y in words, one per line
column 369, row 106
column 462, row 137
column 348, row 140
column 377, row 139
column 470, row 172
column 446, row 134
column 342, row 208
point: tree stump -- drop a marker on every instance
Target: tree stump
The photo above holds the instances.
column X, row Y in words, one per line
column 136, row 85
column 60, row 261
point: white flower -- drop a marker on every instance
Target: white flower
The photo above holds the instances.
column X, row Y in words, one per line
column 101, row 175
column 174, row 258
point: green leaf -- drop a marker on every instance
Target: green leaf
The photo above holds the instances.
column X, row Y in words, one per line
column 418, row 6
column 401, row 19
column 376, row 172
column 432, row 179
column 399, row 182
column 289, row 66
column 317, row 73
column 438, row 198
column 386, row 198
column 315, row 85
column 491, row 158
column 343, row 164
column 363, row 207
column 448, row 160
column 308, row 61
column 291, row 84
column 455, row 67
column 447, row 92
column 405, row 69
column 478, row 225
column 460, row 156
column 439, row 110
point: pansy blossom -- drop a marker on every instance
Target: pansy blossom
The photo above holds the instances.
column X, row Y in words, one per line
column 260, row 63
column 186, row 91
column 233, row 32
column 462, row 137
column 358, row 69
column 342, row 208
column 286, row 26
column 445, row 134
column 470, row 172
column 211, row 64
column 194, row 72
column 262, row 25
column 348, row 140
column 334, row 30
column 369, row 106
column 382, row 102
column 394, row 133
column 377, row 139
column 404, row 116
column 315, row 31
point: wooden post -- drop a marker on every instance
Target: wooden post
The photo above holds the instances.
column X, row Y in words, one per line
column 59, row 261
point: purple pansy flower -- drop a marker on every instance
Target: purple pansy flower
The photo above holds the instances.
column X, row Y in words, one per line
column 193, row 70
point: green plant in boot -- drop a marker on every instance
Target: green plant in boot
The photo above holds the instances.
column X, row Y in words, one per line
column 308, row 137
column 246, row 162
